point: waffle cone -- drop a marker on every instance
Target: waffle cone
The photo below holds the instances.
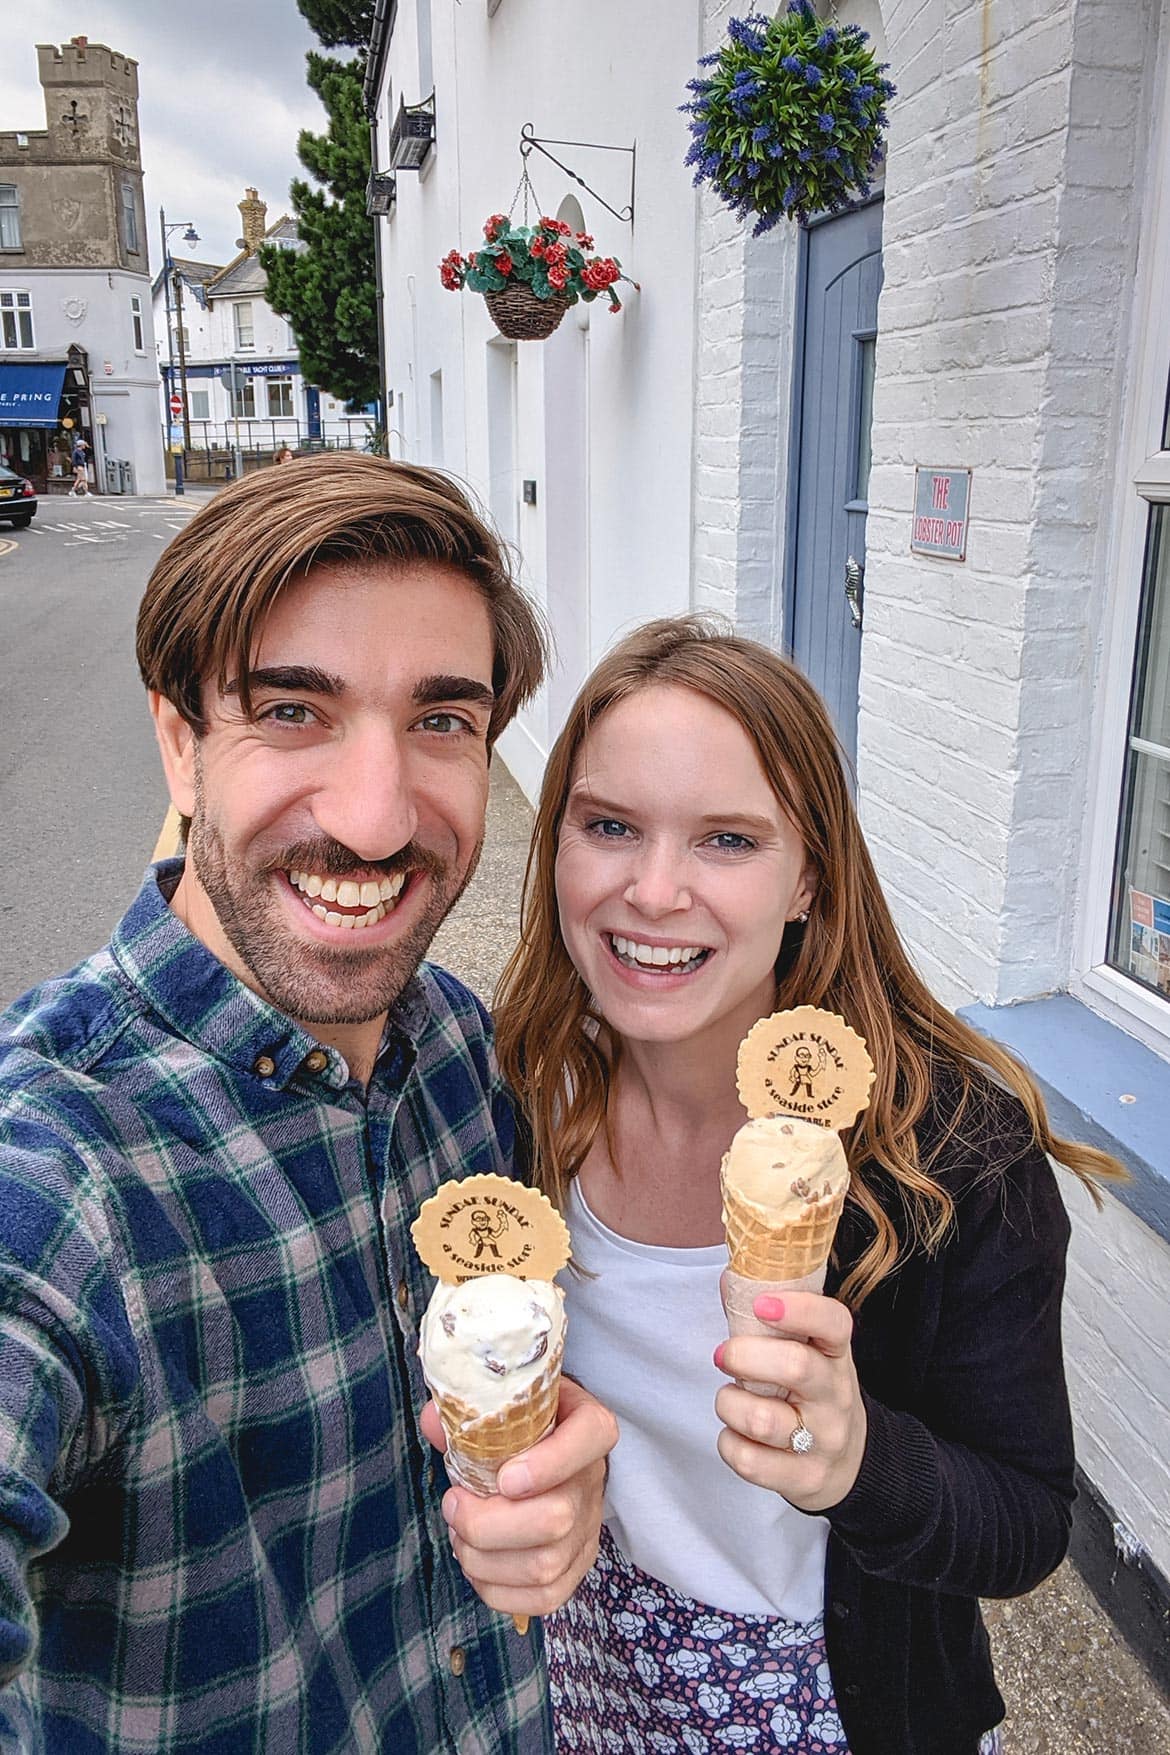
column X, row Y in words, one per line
column 478, row 1444
column 761, row 1251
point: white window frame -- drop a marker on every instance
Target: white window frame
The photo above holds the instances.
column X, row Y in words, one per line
column 10, row 297
column 238, row 308
column 13, row 207
column 192, row 412
column 137, row 325
column 285, row 380
column 242, row 386
column 1143, row 480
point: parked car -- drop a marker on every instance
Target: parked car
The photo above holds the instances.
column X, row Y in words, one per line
column 18, row 498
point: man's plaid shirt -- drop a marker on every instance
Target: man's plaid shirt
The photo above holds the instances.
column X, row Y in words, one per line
column 219, row 1527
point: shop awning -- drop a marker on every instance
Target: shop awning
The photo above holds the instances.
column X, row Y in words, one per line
column 30, row 394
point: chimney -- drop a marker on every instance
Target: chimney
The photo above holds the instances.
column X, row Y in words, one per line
column 253, row 214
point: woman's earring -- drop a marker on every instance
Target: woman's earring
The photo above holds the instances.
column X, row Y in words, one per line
column 803, row 918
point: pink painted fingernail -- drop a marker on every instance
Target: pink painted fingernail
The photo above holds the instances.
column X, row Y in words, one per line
column 769, row 1309
column 718, row 1355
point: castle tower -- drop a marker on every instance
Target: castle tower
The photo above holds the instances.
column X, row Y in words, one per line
column 91, row 102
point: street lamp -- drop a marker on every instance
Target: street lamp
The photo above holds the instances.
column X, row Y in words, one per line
column 190, row 236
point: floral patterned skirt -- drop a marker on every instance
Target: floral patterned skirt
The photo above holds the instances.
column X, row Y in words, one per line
column 637, row 1669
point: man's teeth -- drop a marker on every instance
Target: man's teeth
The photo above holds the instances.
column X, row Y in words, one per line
column 377, row 897
column 655, row 956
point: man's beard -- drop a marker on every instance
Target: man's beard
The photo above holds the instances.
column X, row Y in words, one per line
column 313, row 983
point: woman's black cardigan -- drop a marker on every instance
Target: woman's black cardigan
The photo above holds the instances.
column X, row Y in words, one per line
column 966, row 1487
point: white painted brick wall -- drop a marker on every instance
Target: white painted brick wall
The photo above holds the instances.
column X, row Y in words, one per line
column 1009, row 249
column 1118, row 1364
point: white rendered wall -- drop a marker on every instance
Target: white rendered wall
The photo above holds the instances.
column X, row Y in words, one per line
column 610, row 74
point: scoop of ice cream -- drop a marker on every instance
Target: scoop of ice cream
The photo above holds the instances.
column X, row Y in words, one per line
column 784, row 1165
column 488, row 1340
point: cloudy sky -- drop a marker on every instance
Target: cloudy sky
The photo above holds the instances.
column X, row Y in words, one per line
column 221, row 99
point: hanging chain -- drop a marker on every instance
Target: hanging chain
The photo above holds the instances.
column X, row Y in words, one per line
column 526, row 188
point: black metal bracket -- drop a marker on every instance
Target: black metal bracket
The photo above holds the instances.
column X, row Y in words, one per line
column 529, row 141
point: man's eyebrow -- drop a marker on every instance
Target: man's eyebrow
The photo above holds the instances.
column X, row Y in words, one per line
column 429, row 690
column 297, row 679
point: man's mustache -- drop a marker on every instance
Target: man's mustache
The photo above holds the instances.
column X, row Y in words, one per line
column 333, row 859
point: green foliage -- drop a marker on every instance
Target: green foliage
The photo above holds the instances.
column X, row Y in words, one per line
column 549, row 257
column 326, row 287
column 339, row 23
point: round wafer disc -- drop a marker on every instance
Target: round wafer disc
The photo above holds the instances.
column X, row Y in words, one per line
column 490, row 1225
column 807, row 1063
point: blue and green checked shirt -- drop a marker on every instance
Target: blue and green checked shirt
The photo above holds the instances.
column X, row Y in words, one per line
column 219, row 1527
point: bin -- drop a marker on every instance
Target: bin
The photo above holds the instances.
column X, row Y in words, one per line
column 126, row 473
column 113, row 476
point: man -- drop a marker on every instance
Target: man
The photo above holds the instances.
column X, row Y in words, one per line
column 80, row 461
column 219, row 1528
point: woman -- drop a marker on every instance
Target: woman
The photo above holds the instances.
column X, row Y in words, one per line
column 696, row 865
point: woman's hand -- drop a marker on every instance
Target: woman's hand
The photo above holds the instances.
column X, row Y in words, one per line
column 809, row 1358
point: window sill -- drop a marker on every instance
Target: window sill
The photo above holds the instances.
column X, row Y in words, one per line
column 1085, row 1066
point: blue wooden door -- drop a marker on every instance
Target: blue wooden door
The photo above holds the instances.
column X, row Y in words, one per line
column 831, row 476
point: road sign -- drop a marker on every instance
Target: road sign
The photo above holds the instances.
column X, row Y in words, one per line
column 176, row 405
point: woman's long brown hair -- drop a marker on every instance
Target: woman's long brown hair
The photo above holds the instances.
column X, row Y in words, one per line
column 848, row 958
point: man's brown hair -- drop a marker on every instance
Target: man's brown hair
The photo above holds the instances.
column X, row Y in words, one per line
column 206, row 601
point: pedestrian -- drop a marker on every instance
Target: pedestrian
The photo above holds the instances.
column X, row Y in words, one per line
column 284, row 455
column 80, row 461
column 219, row 1525
column 697, row 864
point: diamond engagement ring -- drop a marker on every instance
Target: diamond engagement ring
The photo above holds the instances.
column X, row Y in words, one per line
column 802, row 1440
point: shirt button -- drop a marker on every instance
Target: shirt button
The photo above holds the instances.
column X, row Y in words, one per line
column 403, row 1294
column 458, row 1660
column 316, row 1061
column 264, row 1066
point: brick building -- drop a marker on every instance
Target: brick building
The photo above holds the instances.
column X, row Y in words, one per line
column 758, row 430
column 77, row 348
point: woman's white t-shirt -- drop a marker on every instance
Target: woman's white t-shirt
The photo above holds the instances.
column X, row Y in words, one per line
column 640, row 1337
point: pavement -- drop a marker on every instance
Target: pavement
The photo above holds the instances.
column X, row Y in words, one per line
column 1071, row 1684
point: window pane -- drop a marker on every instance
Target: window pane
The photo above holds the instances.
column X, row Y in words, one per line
column 9, row 217
column 1140, row 942
column 866, row 362
column 244, row 402
column 199, row 400
column 243, row 325
column 280, row 397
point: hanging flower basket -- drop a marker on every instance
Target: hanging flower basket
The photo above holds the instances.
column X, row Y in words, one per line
column 790, row 119
column 530, row 275
column 521, row 316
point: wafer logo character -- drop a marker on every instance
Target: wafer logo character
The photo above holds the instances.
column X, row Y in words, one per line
column 806, row 1066
column 485, row 1228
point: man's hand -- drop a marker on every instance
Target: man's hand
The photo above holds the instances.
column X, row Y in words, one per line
column 526, row 1549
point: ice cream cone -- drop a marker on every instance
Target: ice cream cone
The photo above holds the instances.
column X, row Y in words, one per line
column 479, row 1444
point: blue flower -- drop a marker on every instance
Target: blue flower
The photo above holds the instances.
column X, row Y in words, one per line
column 753, row 171
column 831, row 153
column 766, row 224
column 805, row 154
column 748, row 34
column 827, row 39
column 812, row 75
column 865, row 91
column 763, row 132
column 777, row 149
column 792, row 64
column 792, row 194
column 825, row 122
column 848, row 76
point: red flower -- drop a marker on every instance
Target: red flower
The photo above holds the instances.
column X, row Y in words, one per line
column 451, row 271
column 584, row 240
column 494, row 226
column 556, row 256
column 504, row 262
column 536, row 247
column 558, row 277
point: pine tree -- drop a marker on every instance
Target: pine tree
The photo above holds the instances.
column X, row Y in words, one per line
column 326, row 288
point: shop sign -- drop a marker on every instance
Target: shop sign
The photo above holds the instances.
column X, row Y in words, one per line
column 942, row 499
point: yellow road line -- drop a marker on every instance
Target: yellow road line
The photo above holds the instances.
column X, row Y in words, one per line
column 7, row 547
column 167, row 844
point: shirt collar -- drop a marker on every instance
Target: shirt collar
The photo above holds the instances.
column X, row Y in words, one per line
column 201, row 1001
